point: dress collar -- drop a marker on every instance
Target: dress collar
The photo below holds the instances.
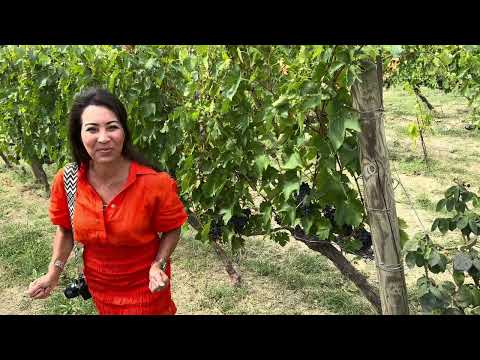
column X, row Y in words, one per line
column 135, row 169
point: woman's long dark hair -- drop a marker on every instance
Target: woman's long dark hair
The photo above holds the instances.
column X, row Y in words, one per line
column 100, row 97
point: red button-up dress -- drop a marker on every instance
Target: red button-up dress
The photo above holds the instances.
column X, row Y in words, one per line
column 121, row 242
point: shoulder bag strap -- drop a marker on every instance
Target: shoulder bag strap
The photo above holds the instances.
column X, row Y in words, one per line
column 70, row 180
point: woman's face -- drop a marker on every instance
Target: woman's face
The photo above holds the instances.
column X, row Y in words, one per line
column 102, row 134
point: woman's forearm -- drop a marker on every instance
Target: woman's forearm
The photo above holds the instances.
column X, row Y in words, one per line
column 62, row 247
column 168, row 243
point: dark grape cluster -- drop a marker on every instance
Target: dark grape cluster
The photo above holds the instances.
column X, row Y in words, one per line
column 240, row 221
column 305, row 210
column 278, row 219
column 329, row 213
column 215, row 230
column 347, row 230
column 303, row 192
column 365, row 238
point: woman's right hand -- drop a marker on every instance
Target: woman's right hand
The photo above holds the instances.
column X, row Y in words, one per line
column 43, row 286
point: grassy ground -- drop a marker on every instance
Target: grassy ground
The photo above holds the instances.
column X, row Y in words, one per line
column 277, row 280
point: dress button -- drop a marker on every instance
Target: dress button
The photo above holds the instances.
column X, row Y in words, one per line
column 113, row 206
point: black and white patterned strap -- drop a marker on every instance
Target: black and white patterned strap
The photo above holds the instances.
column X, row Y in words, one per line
column 70, row 179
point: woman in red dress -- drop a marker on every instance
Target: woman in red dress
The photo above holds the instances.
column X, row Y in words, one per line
column 121, row 207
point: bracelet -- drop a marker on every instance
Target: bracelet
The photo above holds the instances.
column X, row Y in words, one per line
column 162, row 263
column 60, row 264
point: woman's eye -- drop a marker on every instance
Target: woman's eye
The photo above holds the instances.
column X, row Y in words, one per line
column 91, row 130
column 113, row 127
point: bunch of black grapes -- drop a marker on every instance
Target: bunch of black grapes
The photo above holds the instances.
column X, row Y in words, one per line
column 240, row 221
column 216, row 229
column 347, row 230
column 329, row 213
column 365, row 238
column 302, row 207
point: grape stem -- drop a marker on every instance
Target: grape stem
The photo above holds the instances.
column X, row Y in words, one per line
column 235, row 277
column 272, row 230
column 358, row 188
column 426, row 271
column 316, row 172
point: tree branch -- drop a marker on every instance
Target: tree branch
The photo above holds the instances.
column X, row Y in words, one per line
column 235, row 277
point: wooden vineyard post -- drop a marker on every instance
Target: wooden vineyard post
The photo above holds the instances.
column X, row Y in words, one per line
column 379, row 196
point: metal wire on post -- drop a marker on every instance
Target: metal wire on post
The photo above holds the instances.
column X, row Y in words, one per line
column 408, row 197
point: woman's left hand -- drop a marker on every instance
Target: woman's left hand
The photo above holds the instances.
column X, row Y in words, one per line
column 158, row 279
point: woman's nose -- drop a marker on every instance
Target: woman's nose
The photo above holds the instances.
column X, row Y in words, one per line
column 102, row 137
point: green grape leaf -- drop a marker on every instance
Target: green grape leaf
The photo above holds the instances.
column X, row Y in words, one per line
column 262, row 162
column 403, row 237
column 462, row 262
column 323, row 229
column 349, row 212
column 440, row 205
column 150, row 63
column 266, row 211
column 458, row 277
column 353, row 123
column 464, row 296
column 443, row 225
column 293, row 162
column 232, row 83
column 411, row 245
column 411, row 259
column 289, row 187
column 473, row 226
column 462, row 222
column 205, row 231
column 280, row 237
column 227, row 214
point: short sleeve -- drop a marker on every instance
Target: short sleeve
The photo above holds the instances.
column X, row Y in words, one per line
column 169, row 213
column 58, row 210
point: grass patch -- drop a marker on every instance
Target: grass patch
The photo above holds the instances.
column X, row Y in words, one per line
column 58, row 304
column 398, row 102
column 25, row 251
column 457, row 132
column 223, row 297
column 424, row 201
column 318, row 284
column 263, row 267
column 8, row 204
column 414, row 165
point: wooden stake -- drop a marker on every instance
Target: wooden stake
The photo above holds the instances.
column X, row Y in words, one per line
column 379, row 196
